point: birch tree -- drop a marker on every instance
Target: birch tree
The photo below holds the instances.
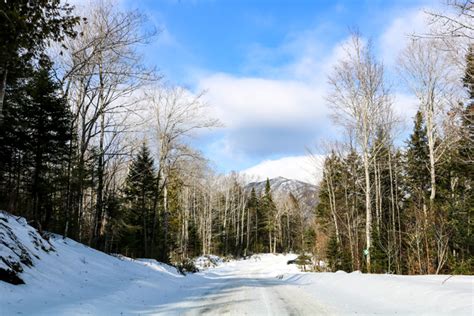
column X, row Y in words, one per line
column 427, row 72
column 177, row 115
column 360, row 103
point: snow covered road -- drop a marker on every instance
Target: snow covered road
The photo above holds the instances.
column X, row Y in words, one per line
column 266, row 285
column 247, row 288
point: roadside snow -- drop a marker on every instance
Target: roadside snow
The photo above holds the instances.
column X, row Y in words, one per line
column 390, row 294
column 207, row 261
column 20, row 246
column 75, row 279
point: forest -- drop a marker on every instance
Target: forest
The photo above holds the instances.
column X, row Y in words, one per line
column 95, row 146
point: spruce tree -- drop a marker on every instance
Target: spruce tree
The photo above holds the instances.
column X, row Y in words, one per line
column 256, row 218
column 26, row 27
column 36, row 135
column 418, row 185
column 140, row 188
column 268, row 210
column 416, row 158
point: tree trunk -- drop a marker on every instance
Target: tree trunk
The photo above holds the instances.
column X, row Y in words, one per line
column 368, row 220
column 3, row 87
column 100, row 168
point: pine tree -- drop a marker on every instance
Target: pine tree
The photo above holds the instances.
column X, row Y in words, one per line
column 26, row 27
column 268, row 209
column 36, row 135
column 418, row 185
column 255, row 212
column 140, row 188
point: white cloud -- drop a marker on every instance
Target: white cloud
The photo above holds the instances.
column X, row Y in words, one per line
column 303, row 168
column 277, row 116
column 405, row 106
column 397, row 34
column 243, row 101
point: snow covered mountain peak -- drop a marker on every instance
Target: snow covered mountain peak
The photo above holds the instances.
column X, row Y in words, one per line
column 280, row 187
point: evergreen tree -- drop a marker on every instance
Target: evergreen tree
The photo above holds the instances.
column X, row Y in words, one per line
column 140, row 188
column 36, row 135
column 338, row 259
column 418, row 185
column 416, row 158
column 268, row 211
column 378, row 252
column 25, row 28
column 256, row 218
column 468, row 79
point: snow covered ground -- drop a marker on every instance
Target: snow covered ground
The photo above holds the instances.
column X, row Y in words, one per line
column 75, row 279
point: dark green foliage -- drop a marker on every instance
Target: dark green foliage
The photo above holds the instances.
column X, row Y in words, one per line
column 468, row 78
column 256, row 215
column 304, row 262
column 378, row 253
column 337, row 258
column 418, row 177
column 34, row 145
column 140, row 189
column 26, row 29
column 195, row 243
column 268, row 210
column 27, row 25
column 308, row 239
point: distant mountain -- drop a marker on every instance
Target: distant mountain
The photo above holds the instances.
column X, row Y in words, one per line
column 305, row 193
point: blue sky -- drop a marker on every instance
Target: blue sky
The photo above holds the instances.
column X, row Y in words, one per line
column 265, row 63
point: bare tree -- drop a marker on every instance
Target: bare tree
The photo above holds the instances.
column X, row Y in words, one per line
column 177, row 115
column 453, row 29
column 100, row 72
column 361, row 103
column 428, row 73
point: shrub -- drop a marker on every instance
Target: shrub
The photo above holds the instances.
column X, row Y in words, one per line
column 187, row 266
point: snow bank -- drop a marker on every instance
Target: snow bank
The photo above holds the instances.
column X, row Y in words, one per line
column 20, row 246
column 157, row 266
column 359, row 293
column 207, row 261
column 75, row 279
column 257, row 266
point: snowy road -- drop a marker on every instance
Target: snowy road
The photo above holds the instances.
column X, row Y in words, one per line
column 249, row 288
column 77, row 280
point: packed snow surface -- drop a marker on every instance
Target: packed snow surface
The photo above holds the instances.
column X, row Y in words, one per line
column 75, row 279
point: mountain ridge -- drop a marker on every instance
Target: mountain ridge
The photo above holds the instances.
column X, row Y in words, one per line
column 280, row 187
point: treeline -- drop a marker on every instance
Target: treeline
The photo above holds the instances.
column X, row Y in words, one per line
column 201, row 213
column 94, row 146
column 403, row 209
